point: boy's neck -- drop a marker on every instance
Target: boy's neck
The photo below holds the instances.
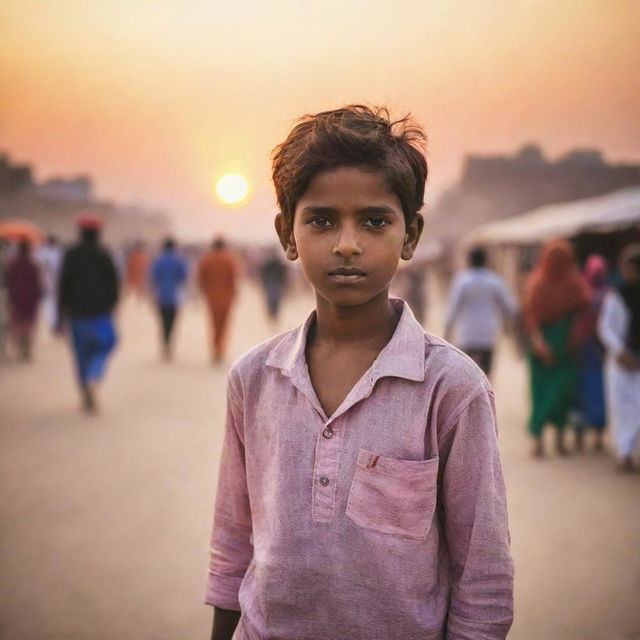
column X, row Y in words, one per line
column 371, row 324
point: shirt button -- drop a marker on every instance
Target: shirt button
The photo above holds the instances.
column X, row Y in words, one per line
column 324, row 481
column 328, row 432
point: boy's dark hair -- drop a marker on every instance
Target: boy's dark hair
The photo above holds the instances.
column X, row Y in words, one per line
column 169, row 244
column 353, row 136
column 478, row 257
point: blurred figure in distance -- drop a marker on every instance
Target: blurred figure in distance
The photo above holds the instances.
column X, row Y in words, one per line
column 590, row 411
column 555, row 295
column 137, row 269
column 479, row 302
column 24, row 289
column 273, row 278
column 619, row 331
column 88, row 293
column 217, row 276
column 50, row 259
column 168, row 274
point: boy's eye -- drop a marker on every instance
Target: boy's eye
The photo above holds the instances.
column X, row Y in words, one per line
column 377, row 222
column 320, row 223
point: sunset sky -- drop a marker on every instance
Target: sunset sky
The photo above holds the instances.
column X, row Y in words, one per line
column 157, row 99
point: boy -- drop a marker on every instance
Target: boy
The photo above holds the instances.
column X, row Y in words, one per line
column 360, row 492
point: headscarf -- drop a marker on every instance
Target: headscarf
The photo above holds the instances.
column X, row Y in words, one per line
column 595, row 272
column 630, row 292
column 595, row 275
column 555, row 288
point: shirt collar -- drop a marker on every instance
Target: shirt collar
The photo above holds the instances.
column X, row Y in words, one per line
column 401, row 357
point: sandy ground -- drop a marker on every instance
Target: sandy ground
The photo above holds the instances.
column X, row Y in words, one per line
column 105, row 520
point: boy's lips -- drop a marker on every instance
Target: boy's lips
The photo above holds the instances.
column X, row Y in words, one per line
column 346, row 274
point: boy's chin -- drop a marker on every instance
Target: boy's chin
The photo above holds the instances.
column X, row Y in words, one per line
column 349, row 299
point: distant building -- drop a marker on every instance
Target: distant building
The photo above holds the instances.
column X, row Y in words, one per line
column 55, row 204
column 78, row 189
column 498, row 187
column 14, row 178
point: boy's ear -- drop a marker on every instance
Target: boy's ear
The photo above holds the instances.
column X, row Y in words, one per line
column 285, row 234
column 414, row 231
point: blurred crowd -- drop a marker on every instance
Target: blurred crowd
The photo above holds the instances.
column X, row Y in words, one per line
column 580, row 331
column 76, row 289
column 577, row 325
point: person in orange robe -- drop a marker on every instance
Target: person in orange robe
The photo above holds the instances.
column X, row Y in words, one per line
column 217, row 275
column 137, row 269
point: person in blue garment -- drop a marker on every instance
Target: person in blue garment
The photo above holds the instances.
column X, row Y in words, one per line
column 168, row 274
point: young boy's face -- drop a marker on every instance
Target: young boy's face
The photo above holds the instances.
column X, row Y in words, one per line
column 349, row 232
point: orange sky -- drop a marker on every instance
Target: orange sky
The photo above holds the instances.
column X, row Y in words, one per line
column 157, row 98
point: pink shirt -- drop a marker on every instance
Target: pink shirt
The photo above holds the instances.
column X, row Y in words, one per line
column 386, row 520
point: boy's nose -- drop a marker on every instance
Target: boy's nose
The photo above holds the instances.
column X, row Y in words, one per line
column 347, row 243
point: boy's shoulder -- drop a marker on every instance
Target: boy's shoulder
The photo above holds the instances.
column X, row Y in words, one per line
column 251, row 363
column 453, row 371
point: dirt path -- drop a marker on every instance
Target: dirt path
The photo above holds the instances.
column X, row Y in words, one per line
column 105, row 520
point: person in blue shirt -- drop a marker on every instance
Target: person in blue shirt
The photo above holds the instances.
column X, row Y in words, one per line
column 168, row 273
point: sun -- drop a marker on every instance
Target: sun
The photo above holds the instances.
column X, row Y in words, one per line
column 232, row 189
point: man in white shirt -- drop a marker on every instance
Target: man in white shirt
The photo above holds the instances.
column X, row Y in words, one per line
column 619, row 332
column 479, row 304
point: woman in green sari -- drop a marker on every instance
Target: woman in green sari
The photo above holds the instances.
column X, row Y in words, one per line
column 554, row 295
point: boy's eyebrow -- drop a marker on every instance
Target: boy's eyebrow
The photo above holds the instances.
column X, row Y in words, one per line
column 377, row 209
column 370, row 210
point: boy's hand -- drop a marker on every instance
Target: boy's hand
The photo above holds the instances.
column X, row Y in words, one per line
column 225, row 622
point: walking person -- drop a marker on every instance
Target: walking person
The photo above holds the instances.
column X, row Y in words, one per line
column 88, row 293
column 555, row 294
column 273, row 278
column 24, row 290
column 137, row 268
column 217, row 276
column 50, row 259
column 619, row 331
column 590, row 413
column 479, row 303
column 168, row 274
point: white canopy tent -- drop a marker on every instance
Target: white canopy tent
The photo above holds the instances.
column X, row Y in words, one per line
column 513, row 243
column 603, row 214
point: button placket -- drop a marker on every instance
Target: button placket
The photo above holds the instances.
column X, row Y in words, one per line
column 328, row 451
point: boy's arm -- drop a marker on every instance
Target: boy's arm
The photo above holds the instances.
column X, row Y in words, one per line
column 231, row 548
column 476, row 526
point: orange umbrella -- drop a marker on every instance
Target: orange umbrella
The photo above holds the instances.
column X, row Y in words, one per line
column 17, row 230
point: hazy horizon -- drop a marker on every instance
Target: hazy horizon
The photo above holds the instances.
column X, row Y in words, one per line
column 156, row 100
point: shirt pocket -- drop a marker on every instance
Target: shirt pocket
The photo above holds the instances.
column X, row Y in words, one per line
column 393, row 496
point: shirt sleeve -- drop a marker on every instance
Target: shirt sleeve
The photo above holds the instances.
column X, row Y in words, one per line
column 476, row 526
column 612, row 324
column 231, row 549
